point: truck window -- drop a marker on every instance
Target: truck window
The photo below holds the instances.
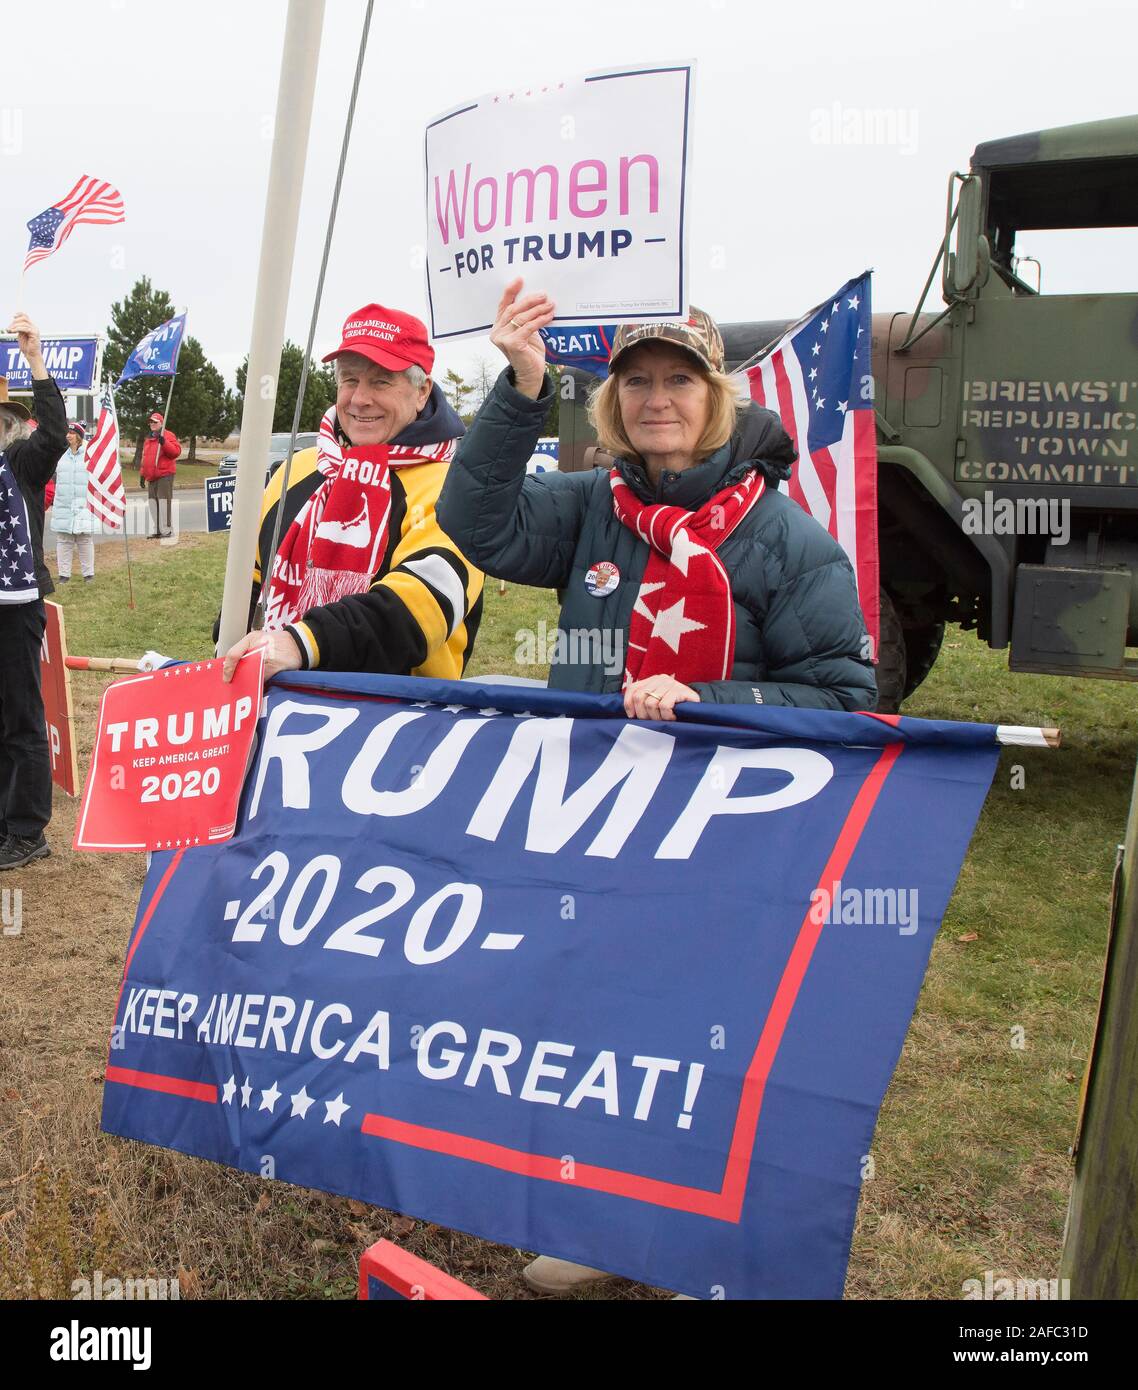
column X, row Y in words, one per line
column 1080, row 216
column 1094, row 260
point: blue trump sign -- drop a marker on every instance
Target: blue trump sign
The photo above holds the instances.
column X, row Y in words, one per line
column 219, row 503
column 157, row 353
column 586, row 347
column 71, row 361
column 626, row 993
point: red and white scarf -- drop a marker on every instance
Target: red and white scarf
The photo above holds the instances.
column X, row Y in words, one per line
column 339, row 538
column 683, row 621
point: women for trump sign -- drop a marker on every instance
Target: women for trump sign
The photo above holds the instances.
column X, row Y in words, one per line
column 627, row 993
column 579, row 186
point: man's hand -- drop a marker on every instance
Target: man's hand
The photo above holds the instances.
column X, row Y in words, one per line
column 281, row 653
column 28, row 337
column 656, row 697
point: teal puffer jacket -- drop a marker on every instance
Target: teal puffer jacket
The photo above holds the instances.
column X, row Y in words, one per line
column 800, row 637
column 69, row 514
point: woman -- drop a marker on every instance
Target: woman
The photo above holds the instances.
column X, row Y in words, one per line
column 71, row 521
column 717, row 587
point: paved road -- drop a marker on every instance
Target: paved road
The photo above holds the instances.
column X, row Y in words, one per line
column 188, row 515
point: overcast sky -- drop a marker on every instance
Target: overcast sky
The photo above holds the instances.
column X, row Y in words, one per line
column 173, row 103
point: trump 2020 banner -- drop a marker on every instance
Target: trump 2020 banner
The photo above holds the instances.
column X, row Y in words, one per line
column 625, row 993
column 579, row 186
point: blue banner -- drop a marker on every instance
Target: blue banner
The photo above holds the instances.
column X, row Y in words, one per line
column 219, row 503
column 587, row 348
column 157, row 353
column 500, row 958
column 71, row 361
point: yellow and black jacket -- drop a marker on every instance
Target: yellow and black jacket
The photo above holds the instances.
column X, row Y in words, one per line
column 421, row 613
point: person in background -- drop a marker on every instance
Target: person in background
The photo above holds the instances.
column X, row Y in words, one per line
column 363, row 578
column 160, row 452
column 72, row 523
column 26, row 463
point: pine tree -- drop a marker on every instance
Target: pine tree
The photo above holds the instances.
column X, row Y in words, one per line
column 456, row 390
column 132, row 318
column 319, row 390
column 201, row 404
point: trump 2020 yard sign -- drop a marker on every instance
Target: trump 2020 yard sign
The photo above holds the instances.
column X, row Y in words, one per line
column 578, row 186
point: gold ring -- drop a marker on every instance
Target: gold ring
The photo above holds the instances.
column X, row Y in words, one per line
column 515, row 323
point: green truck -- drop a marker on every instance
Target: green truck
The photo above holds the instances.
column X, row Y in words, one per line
column 1007, row 493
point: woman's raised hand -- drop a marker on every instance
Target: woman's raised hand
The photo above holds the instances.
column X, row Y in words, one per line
column 515, row 334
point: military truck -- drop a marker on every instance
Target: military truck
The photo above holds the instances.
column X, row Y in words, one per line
column 1007, row 493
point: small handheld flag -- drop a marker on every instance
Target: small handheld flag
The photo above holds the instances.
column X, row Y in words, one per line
column 91, row 200
column 157, row 353
column 819, row 379
column 106, row 496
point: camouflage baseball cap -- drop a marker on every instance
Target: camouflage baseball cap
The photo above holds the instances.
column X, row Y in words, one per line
column 699, row 336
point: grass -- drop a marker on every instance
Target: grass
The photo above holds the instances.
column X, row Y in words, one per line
column 188, row 475
column 970, row 1157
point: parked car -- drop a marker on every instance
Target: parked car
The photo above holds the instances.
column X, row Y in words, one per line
column 278, row 452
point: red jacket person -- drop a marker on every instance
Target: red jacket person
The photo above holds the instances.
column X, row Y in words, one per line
column 160, row 452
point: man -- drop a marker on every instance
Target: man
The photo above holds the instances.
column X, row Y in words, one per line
column 363, row 578
column 160, row 452
column 27, row 461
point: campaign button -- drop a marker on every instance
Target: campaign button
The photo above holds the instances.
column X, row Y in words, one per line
column 602, row 578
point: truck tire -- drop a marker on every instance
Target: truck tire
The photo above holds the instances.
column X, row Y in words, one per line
column 892, row 660
column 922, row 647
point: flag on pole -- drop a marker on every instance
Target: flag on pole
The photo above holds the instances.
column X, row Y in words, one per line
column 91, row 200
column 819, row 380
column 106, row 496
column 157, row 353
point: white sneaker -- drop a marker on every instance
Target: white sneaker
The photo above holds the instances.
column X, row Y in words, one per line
column 547, row 1275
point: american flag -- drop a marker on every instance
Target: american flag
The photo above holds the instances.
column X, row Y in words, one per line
column 819, row 380
column 91, row 200
column 106, row 496
column 18, row 582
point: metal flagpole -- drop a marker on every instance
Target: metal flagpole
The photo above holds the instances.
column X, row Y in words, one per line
column 299, row 60
column 125, row 518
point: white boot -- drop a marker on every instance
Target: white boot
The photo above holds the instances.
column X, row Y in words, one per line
column 547, row 1275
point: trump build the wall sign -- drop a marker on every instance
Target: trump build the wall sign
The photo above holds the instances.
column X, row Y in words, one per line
column 578, row 186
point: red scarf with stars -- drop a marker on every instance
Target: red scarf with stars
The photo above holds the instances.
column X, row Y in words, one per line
column 683, row 622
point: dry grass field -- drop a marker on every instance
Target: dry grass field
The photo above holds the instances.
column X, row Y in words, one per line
column 971, row 1169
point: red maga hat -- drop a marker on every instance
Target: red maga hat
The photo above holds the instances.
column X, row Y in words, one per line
column 386, row 337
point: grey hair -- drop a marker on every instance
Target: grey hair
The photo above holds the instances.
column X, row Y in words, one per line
column 12, row 428
column 414, row 373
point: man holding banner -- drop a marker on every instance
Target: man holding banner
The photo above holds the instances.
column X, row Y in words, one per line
column 363, row 577
column 26, row 465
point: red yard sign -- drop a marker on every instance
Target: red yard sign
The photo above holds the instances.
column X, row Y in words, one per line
column 55, row 680
column 170, row 757
column 388, row 1271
